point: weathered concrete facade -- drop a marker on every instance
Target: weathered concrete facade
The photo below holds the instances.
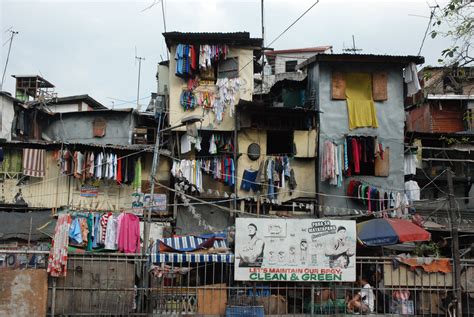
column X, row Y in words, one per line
column 333, row 118
column 77, row 127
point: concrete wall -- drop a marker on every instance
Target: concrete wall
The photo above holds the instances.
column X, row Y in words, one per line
column 334, row 125
column 72, row 107
column 7, row 114
column 177, row 84
column 77, row 127
column 163, row 79
column 23, row 292
column 304, row 167
column 280, row 60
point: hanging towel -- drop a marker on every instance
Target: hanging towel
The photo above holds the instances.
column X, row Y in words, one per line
column 360, row 105
column 411, row 79
column 33, row 162
column 57, row 259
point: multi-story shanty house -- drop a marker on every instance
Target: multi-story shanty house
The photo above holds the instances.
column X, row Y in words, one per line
column 440, row 135
column 360, row 100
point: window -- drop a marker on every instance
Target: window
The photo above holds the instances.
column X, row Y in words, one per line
column 280, row 142
column 290, row 66
column 228, row 68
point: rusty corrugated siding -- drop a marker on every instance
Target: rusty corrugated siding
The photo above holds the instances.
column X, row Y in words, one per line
column 446, row 118
column 418, row 119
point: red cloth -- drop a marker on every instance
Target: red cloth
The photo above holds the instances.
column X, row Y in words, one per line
column 129, row 235
column 119, row 171
column 193, row 57
column 356, row 155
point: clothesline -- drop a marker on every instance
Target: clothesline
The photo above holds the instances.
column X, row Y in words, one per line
column 197, row 156
column 340, row 140
column 71, row 174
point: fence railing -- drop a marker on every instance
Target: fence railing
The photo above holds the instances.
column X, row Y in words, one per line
column 102, row 284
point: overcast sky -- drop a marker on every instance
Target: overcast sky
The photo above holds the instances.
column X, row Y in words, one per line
column 88, row 47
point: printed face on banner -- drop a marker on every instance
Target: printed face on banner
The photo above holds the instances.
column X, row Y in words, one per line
column 299, row 250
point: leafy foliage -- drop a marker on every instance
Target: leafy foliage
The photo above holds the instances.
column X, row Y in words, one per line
column 457, row 20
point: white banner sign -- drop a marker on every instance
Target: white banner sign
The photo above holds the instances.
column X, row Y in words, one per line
column 302, row 250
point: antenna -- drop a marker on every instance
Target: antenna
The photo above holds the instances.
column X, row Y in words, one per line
column 353, row 50
column 13, row 33
column 140, row 59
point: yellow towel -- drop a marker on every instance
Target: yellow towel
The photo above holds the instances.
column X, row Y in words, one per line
column 360, row 105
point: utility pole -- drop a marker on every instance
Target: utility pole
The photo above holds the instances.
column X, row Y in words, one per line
column 263, row 51
column 453, row 219
column 164, row 22
column 13, row 33
column 140, row 59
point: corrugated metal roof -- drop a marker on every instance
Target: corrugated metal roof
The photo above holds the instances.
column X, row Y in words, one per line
column 16, row 225
column 86, row 98
column 317, row 49
column 363, row 58
column 232, row 38
column 449, row 97
column 43, row 83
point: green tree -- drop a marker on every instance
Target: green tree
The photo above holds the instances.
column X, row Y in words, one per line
column 456, row 21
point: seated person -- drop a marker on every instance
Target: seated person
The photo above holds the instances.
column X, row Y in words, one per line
column 362, row 302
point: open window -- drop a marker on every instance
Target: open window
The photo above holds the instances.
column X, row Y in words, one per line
column 290, row 66
column 279, row 142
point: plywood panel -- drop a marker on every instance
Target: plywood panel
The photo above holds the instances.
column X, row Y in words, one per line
column 402, row 276
column 379, row 86
column 212, row 299
column 382, row 167
column 338, row 86
column 23, row 292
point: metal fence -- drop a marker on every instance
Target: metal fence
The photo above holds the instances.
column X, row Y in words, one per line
column 117, row 284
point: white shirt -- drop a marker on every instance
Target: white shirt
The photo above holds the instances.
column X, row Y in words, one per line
column 111, row 234
column 98, row 165
column 110, row 164
column 411, row 79
column 367, row 296
column 185, row 144
column 412, row 190
column 410, row 164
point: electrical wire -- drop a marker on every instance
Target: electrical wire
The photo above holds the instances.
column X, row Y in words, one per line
column 427, row 29
column 294, row 22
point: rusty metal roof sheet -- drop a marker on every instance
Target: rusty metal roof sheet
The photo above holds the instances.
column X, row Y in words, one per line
column 232, row 38
column 362, row 58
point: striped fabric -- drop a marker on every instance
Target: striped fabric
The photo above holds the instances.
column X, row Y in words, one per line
column 191, row 258
column 33, row 162
column 191, row 243
column 165, row 250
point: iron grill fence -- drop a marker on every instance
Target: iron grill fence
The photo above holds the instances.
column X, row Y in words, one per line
column 104, row 284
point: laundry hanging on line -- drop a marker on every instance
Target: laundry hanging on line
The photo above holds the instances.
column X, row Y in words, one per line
column 273, row 174
column 220, row 168
column 376, row 199
column 91, row 165
column 356, row 155
column 190, row 58
column 109, row 231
